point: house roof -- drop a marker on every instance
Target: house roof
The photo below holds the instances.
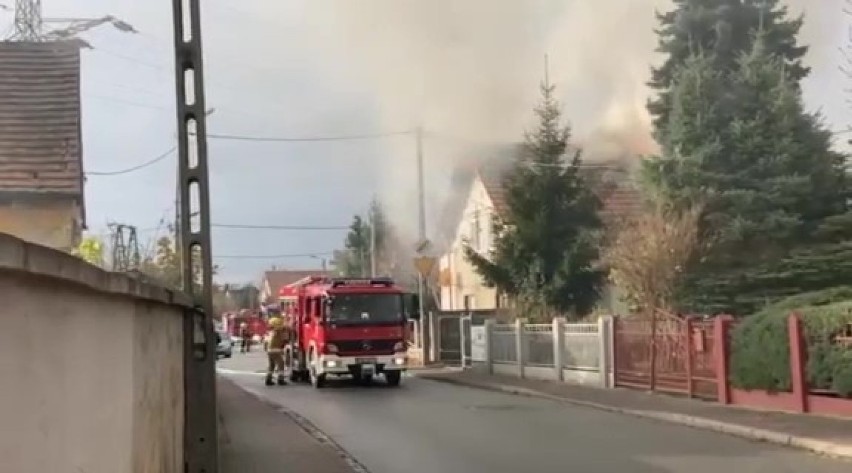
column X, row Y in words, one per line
column 40, row 141
column 614, row 185
column 489, row 162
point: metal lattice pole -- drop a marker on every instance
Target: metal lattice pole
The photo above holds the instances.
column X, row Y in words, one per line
column 27, row 20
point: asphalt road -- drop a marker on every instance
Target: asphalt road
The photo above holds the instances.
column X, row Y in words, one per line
column 426, row 426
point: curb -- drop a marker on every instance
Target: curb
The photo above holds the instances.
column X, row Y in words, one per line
column 820, row 447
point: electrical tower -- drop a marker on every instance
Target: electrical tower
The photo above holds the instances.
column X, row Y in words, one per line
column 125, row 247
column 29, row 25
column 27, row 20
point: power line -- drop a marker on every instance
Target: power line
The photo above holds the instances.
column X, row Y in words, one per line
column 258, row 138
column 367, row 136
column 134, row 168
column 302, row 255
column 277, row 227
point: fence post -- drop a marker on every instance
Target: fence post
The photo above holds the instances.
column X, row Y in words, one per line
column 721, row 354
column 614, row 352
column 605, row 345
column 558, row 346
column 462, row 342
column 519, row 345
column 690, row 386
column 798, row 361
column 489, row 362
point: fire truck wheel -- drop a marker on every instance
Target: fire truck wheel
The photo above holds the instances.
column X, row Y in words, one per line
column 393, row 377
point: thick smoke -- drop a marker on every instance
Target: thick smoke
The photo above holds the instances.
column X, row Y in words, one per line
column 468, row 71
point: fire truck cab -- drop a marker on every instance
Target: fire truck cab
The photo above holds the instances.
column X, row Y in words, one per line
column 348, row 327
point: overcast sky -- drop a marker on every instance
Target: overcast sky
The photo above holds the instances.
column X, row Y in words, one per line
column 270, row 72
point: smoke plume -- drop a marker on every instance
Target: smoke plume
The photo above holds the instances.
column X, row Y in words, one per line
column 468, row 72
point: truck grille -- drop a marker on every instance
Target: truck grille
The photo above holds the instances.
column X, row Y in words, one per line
column 365, row 346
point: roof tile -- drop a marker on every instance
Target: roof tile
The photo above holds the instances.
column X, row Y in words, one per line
column 40, row 145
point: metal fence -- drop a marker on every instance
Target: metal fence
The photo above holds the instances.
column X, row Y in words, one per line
column 538, row 344
column 504, row 344
column 556, row 351
column 666, row 353
column 582, row 347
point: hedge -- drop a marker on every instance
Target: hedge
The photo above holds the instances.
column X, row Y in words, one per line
column 760, row 355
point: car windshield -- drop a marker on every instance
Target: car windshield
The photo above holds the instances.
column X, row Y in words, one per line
column 366, row 309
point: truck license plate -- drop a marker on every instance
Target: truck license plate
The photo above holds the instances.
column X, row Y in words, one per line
column 368, row 369
column 365, row 361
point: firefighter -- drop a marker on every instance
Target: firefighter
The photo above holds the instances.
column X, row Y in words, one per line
column 278, row 339
column 245, row 338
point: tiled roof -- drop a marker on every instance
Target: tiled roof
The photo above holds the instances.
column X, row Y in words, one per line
column 489, row 160
column 620, row 202
column 40, row 149
column 493, row 176
column 614, row 186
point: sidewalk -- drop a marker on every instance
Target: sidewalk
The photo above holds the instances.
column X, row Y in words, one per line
column 256, row 438
column 823, row 435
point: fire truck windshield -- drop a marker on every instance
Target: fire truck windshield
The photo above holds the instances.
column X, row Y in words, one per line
column 353, row 309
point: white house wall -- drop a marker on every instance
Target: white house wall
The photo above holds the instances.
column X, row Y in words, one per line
column 464, row 281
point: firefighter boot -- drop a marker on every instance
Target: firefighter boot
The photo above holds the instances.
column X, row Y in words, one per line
column 282, row 380
column 269, row 380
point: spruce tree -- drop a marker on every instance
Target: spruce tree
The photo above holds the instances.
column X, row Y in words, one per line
column 773, row 190
column 545, row 250
column 722, row 30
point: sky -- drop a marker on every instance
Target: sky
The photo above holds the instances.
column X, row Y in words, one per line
column 297, row 68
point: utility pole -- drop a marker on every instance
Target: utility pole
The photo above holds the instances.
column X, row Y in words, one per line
column 421, row 191
column 125, row 247
column 422, row 246
column 373, row 239
column 200, row 446
column 28, row 20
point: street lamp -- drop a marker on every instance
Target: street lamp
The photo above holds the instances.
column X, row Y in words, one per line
column 322, row 260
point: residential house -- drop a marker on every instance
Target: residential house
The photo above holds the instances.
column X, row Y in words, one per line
column 274, row 280
column 41, row 170
column 485, row 199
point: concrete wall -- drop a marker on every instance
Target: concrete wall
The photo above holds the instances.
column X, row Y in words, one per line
column 53, row 224
column 91, row 365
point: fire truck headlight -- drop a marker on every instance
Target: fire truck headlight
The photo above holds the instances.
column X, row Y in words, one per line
column 400, row 346
column 330, row 348
column 399, row 360
column 331, row 364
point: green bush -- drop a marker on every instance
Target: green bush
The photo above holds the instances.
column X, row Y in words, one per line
column 760, row 356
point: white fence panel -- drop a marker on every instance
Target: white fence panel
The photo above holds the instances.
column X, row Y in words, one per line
column 582, row 347
column 538, row 344
column 503, row 344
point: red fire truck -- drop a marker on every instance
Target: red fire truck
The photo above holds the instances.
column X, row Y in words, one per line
column 347, row 326
column 256, row 325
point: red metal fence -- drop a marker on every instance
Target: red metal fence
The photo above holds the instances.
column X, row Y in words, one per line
column 666, row 353
column 691, row 356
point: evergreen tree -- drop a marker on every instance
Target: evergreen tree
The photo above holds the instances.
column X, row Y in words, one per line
column 741, row 144
column 354, row 260
column 722, row 30
column 546, row 248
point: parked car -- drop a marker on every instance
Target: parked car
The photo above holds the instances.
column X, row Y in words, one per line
column 224, row 345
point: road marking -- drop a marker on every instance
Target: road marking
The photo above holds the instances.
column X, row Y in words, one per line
column 227, row 371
